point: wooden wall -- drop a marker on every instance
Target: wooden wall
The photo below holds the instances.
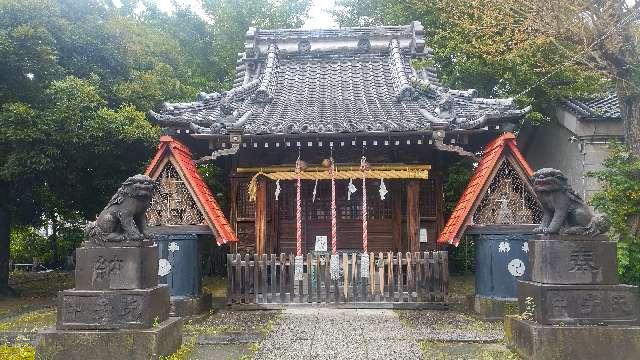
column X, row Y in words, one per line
column 388, row 225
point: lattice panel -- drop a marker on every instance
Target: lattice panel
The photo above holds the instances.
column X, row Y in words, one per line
column 508, row 200
column 172, row 203
column 246, row 208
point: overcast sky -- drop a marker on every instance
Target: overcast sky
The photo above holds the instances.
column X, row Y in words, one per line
column 319, row 16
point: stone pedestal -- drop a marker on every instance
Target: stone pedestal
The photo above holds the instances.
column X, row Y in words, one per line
column 575, row 308
column 117, row 309
column 494, row 309
column 112, row 309
column 581, row 304
column 143, row 344
column 535, row 341
column 190, row 306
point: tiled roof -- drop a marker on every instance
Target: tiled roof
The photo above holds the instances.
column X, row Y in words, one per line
column 348, row 80
column 482, row 176
column 603, row 107
column 182, row 155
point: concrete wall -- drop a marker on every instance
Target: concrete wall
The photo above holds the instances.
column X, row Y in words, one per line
column 573, row 146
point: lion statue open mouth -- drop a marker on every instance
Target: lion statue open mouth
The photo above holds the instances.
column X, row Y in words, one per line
column 563, row 210
column 123, row 219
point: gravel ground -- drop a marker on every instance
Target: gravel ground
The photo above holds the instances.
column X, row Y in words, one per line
column 450, row 326
column 314, row 333
column 318, row 333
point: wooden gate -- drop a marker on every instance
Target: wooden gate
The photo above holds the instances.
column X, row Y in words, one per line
column 411, row 280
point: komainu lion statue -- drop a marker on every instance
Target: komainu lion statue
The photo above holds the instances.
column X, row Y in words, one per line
column 124, row 218
column 563, row 210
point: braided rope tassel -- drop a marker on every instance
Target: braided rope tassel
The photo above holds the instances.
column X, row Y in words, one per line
column 299, row 261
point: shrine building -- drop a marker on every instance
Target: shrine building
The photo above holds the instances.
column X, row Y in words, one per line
column 353, row 105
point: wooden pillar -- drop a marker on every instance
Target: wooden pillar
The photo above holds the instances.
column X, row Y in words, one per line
column 261, row 215
column 274, row 241
column 396, row 215
column 233, row 209
column 439, row 194
column 413, row 215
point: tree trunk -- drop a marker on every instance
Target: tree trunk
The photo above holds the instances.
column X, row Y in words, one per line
column 5, row 227
column 629, row 99
column 53, row 240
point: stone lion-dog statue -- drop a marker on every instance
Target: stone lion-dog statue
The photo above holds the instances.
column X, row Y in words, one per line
column 124, row 217
column 564, row 211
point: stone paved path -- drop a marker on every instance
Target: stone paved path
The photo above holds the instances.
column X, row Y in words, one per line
column 325, row 333
column 339, row 334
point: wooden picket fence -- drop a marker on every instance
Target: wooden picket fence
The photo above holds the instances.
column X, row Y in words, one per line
column 396, row 280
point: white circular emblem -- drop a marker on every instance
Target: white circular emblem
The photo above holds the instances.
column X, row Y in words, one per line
column 173, row 246
column 516, row 267
column 164, row 267
column 504, row 247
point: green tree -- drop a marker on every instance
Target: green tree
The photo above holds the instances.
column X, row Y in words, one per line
column 232, row 18
column 538, row 51
column 75, row 80
column 486, row 45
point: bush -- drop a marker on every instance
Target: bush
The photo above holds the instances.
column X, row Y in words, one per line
column 462, row 258
column 27, row 243
column 619, row 199
column 629, row 262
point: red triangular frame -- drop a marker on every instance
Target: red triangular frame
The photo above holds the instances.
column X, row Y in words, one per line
column 171, row 150
column 503, row 148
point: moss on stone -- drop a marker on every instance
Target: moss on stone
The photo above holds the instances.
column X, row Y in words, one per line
column 31, row 321
column 17, row 352
column 184, row 351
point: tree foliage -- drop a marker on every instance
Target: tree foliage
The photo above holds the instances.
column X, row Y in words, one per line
column 76, row 78
column 620, row 194
column 489, row 45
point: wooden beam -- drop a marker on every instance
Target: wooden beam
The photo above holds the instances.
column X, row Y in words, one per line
column 413, row 215
column 261, row 216
column 396, row 215
column 180, row 229
column 339, row 167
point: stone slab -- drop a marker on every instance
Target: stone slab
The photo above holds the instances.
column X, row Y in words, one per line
column 573, row 262
column 581, row 304
column 112, row 309
column 190, row 306
column 116, row 268
column 534, row 341
column 493, row 309
column 571, row 237
column 161, row 340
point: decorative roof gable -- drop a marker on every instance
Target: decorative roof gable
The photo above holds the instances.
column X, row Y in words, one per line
column 182, row 197
column 499, row 192
column 349, row 80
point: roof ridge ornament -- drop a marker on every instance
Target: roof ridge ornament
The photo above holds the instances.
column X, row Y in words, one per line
column 263, row 93
column 404, row 90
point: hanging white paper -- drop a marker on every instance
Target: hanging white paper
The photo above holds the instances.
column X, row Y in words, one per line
column 383, row 190
column 364, row 265
column 334, row 267
column 299, row 268
column 277, row 193
column 315, row 189
column 350, row 189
